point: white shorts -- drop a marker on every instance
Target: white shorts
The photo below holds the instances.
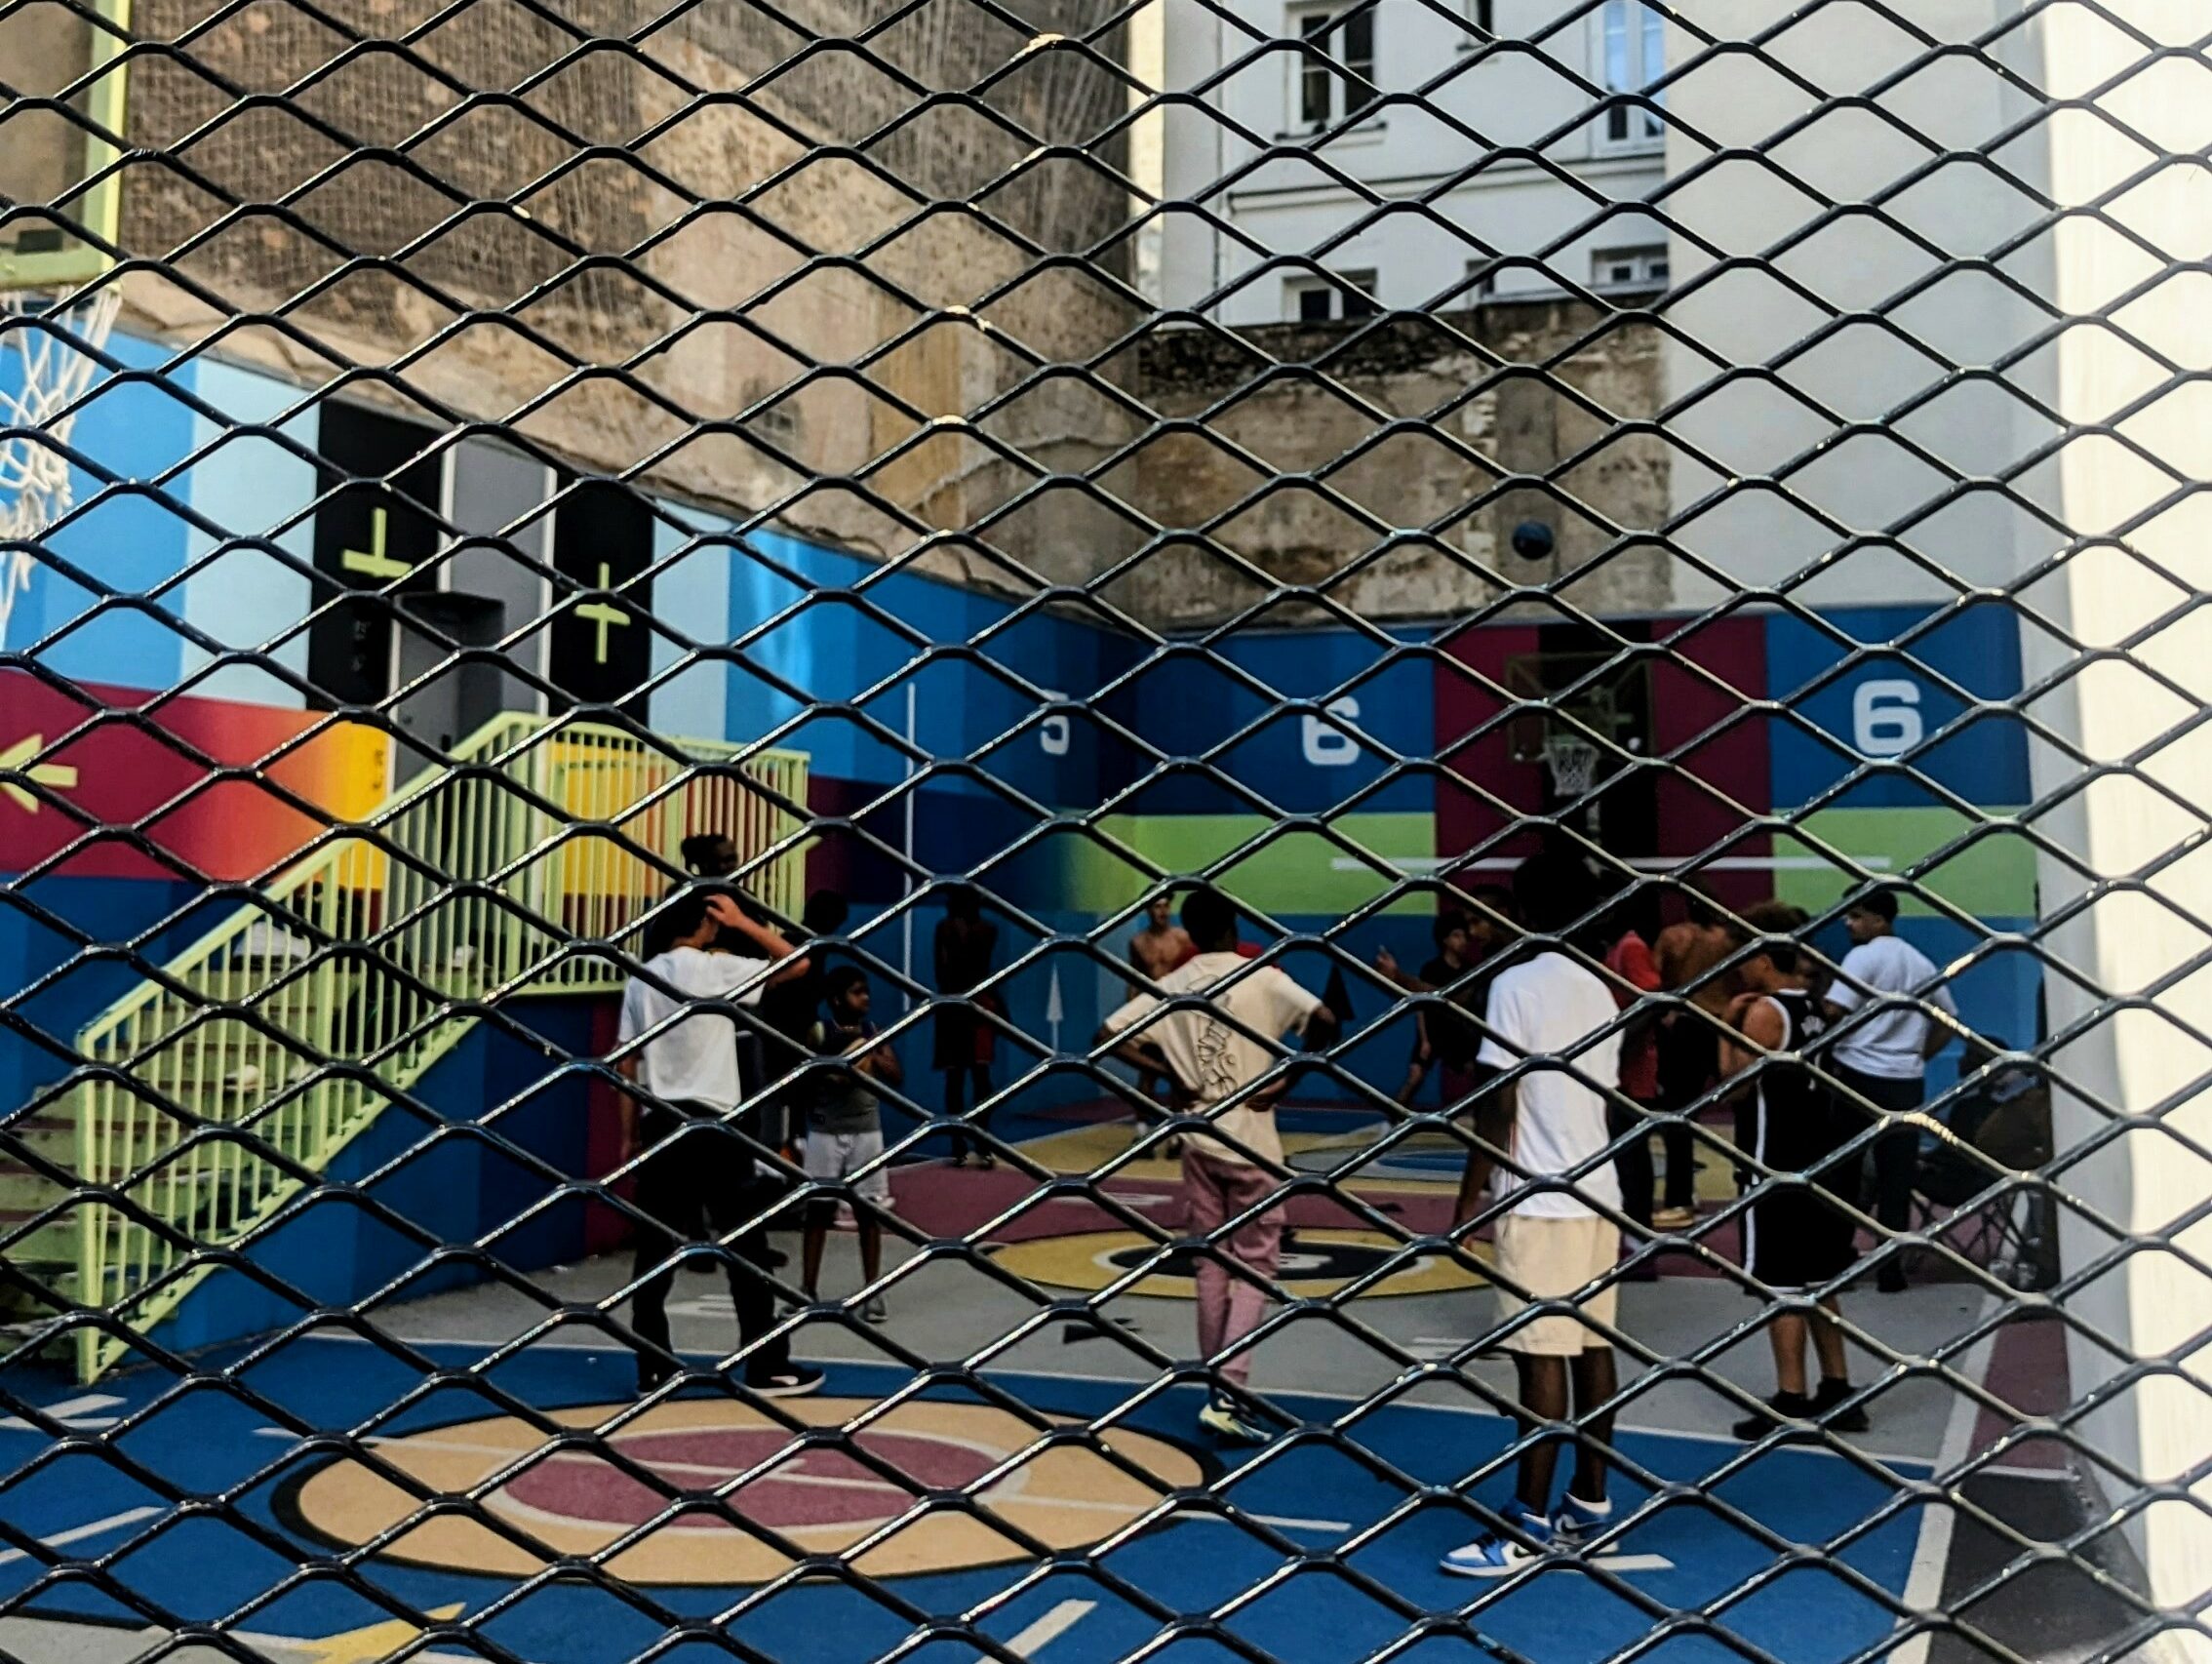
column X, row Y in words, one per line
column 831, row 1157
column 1554, row 1260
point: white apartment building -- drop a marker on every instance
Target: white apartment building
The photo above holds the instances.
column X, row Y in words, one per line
column 1508, row 172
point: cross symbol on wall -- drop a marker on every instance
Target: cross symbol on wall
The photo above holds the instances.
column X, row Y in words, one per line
column 374, row 562
column 602, row 614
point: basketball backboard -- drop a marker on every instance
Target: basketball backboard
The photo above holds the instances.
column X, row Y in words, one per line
column 62, row 90
column 1611, row 702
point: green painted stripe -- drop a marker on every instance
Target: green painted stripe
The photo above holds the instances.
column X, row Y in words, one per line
column 1992, row 878
column 1294, row 871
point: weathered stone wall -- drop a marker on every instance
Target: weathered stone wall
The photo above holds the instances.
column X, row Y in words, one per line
column 1303, row 481
column 665, row 216
column 765, row 273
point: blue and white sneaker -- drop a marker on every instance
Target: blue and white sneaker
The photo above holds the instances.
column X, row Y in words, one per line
column 1493, row 1553
column 1575, row 1522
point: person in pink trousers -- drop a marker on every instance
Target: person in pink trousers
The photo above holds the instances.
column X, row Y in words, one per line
column 1210, row 1029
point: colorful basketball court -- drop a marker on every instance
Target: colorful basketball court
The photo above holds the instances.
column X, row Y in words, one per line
column 1060, row 1499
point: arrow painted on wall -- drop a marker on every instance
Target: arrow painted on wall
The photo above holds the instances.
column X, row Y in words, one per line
column 60, row 777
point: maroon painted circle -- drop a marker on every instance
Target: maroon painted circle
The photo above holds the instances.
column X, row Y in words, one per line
column 583, row 1487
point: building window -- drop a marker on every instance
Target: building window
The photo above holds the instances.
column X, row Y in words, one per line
column 1482, row 14
column 1325, row 300
column 1336, row 64
column 1481, row 280
column 1630, row 268
column 1632, row 55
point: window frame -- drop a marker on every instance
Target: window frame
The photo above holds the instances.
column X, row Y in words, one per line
column 1650, row 263
column 1640, row 31
column 1338, row 288
column 1322, row 62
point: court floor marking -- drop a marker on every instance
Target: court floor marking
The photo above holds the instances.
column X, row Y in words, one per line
column 1931, row 1554
column 78, row 1534
column 1703, row 1436
column 1009, row 1490
column 80, row 1414
column 1050, row 1627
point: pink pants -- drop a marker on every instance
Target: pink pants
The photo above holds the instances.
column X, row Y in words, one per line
column 1229, row 1307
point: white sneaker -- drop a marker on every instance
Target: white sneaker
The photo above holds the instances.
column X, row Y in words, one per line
column 1574, row 1521
column 1494, row 1554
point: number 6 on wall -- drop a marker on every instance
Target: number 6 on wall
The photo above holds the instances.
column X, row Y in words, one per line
column 1327, row 747
column 1052, row 734
column 1885, row 717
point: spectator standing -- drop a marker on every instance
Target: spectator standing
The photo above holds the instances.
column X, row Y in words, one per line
column 1209, row 1029
column 1556, row 1242
column 1636, row 973
column 697, row 1178
column 966, row 944
column 1796, row 1238
column 1466, row 959
column 1160, row 946
column 845, row 1133
column 1885, row 986
column 794, row 1006
column 1689, row 954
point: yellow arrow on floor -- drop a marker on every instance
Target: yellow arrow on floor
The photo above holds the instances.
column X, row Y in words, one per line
column 364, row 1645
column 59, row 775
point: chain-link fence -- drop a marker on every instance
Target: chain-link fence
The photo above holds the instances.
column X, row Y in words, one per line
column 1315, row 830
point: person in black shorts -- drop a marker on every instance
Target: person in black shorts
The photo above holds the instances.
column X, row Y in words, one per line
column 1796, row 1239
column 1466, row 960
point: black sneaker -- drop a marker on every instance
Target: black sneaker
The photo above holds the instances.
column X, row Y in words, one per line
column 1826, row 1397
column 787, row 1381
column 1781, row 1408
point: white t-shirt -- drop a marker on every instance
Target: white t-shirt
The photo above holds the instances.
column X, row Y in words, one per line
column 1888, row 1042
column 1547, row 1007
column 694, row 1061
column 1214, row 1057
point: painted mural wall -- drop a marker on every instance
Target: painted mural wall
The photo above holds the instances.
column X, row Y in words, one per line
column 1062, row 761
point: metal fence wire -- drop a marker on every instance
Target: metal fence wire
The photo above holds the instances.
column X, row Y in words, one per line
column 1385, row 816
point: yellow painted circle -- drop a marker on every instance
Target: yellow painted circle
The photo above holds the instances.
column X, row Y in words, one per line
column 1318, row 1263
column 820, row 1497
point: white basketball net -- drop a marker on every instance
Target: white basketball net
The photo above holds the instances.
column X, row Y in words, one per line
column 45, row 365
column 1573, row 763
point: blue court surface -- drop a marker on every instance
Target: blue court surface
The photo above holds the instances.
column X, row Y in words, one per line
column 315, row 1505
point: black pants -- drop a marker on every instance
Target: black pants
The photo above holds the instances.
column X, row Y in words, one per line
column 698, row 1183
column 957, row 1083
column 1633, row 1159
column 1894, row 1159
column 1689, row 1057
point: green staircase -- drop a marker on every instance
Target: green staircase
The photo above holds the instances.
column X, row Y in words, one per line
column 277, row 1038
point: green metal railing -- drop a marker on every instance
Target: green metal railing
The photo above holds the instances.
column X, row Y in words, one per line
column 278, row 1037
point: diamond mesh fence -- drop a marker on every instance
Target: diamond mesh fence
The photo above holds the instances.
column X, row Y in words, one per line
column 1382, row 819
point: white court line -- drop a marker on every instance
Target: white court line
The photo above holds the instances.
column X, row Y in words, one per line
column 78, row 1534
column 69, row 1410
column 1050, row 1627
column 1888, row 1458
column 1642, row 863
column 1931, row 1555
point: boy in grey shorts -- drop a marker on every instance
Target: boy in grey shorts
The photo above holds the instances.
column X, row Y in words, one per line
column 845, row 1132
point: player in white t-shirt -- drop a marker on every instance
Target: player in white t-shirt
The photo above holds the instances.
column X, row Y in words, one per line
column 1881, row 1049
column 1216, row 1049
column 1558, row 1241
column 694, row 1182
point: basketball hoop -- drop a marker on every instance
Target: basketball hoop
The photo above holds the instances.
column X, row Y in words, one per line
column 46, row 361
column 1573, row 764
